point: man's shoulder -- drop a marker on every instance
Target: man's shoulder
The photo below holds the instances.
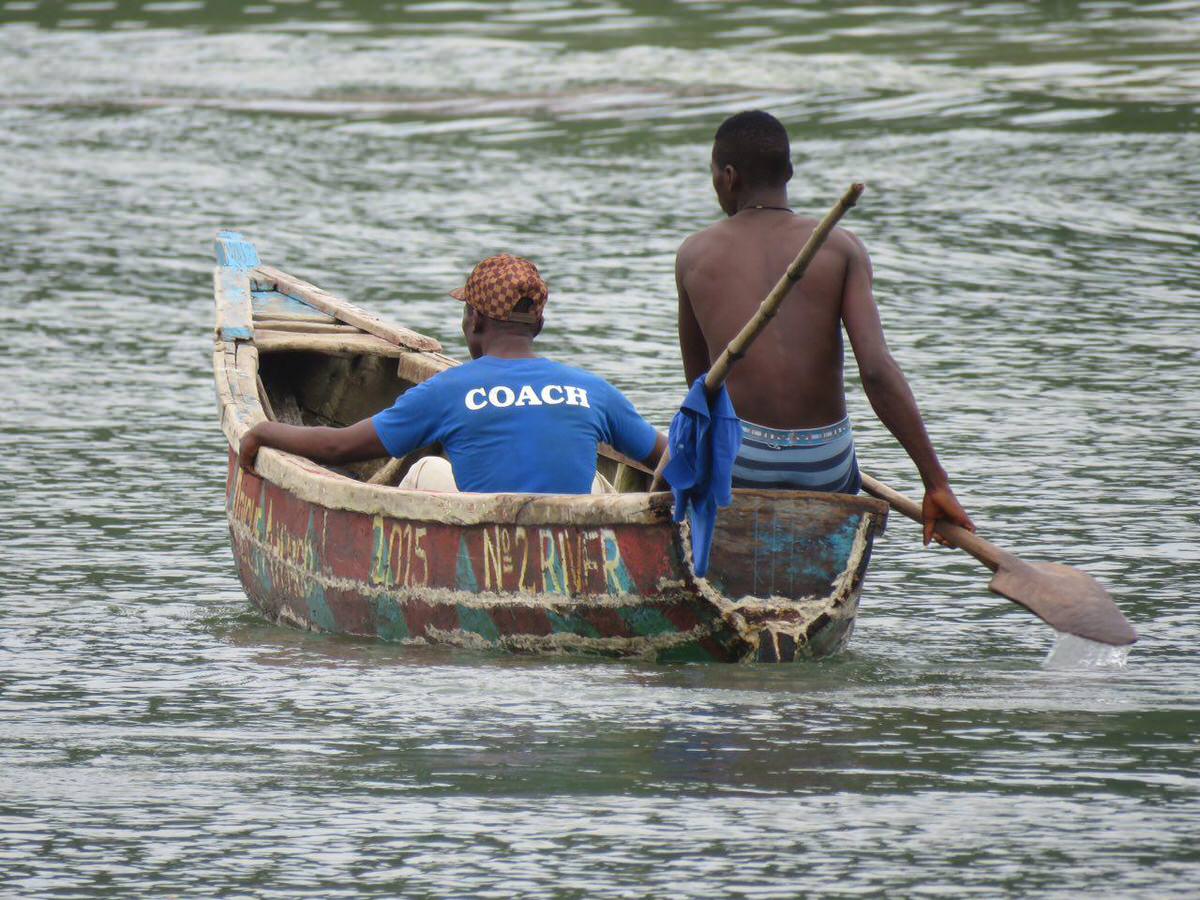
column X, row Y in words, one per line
column 846, row 240
column 719, row 235
column 535, row 369
column 450, row 375
column 563, row 370
column 446, row 384
column 582, row 377
column 701, row 241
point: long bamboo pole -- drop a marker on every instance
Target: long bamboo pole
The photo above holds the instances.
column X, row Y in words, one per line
column 766, row 310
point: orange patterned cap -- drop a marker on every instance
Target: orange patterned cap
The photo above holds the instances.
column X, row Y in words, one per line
column 501, row 282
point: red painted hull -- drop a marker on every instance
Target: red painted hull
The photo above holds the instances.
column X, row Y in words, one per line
column 615, row 589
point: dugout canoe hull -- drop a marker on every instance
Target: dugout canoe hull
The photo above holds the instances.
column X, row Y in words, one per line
column 605, row 574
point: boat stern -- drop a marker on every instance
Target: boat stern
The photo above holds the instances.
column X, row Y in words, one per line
column 787, row 569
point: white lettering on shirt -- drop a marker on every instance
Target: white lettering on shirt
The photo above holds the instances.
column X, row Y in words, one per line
column 476, row 404
column 527, row 397
column 501, row 396
column 576, row 396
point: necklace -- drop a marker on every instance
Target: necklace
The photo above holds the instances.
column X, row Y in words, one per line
column 763, row 206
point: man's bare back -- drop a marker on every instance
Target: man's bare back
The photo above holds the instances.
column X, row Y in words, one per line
column 790, row 382
column 792, row 375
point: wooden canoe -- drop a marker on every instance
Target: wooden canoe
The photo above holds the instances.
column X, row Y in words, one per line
column 347, row 552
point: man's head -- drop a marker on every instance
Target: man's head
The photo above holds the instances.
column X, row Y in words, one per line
column 505, row 295
column 750, row 154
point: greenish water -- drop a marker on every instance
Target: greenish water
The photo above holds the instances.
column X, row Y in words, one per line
column 1032, row 214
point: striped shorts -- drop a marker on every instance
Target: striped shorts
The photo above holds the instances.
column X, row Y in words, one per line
column 806, row 459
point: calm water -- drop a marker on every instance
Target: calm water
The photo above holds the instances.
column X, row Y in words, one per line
column 1034, row 173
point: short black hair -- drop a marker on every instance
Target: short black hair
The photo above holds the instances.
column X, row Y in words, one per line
column 756, row 144
column 524, row 305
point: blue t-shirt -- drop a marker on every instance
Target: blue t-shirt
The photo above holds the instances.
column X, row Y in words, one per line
column 516, row 425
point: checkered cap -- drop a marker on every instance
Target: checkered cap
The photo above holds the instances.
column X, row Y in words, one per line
column 499, row 283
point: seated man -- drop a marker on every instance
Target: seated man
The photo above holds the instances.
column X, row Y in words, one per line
column 510, row 421
column 788, row 390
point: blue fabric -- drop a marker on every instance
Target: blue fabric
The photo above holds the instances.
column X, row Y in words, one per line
column 704, row 439
column 516, row 425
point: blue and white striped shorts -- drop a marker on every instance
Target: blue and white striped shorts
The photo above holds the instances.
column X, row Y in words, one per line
column 806, row 459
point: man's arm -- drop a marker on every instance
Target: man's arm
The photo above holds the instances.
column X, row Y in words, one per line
column 324, row 445
column 889, row 393
column 692, row 345
column 660, row 448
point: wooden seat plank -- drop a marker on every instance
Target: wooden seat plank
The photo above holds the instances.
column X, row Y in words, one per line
column 275, row 305
column 300, row 342
column 343, row 310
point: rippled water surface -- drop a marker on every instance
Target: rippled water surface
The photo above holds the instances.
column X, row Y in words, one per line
column 1034, row 190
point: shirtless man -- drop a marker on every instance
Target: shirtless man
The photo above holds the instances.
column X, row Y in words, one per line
column 788, row 390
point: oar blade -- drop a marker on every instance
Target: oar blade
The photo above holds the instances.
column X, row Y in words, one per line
column 1066, row 598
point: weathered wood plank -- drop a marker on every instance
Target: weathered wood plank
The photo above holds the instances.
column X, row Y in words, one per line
column 274, row 305
column 264, row 398
column 269, row 341
column 247, row 383
column 234, row 418
column 389, row 472
column 232, row 290
column 234, row 251
column 629, row 461
column 224, row 401
column 418, row 367
column 295, row 326
column 628, row 479
column 343, row 310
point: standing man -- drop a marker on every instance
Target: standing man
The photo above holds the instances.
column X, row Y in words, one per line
column 510, row 421
column 788, row 391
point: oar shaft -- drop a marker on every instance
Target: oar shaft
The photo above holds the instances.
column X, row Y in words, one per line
column 984, row 551
column 766, row 311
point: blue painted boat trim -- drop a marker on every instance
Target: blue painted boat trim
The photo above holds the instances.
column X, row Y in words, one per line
column 268, row 303
column 235, row 251
column 233, row 304
column 235, row 257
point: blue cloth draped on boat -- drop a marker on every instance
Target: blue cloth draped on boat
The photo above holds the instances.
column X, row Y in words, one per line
column 704, row 439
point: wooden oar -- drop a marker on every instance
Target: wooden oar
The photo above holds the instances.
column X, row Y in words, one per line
column 1062, row 596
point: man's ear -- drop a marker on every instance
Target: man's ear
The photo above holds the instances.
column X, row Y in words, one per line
column 790, row 171
column 732, row 178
